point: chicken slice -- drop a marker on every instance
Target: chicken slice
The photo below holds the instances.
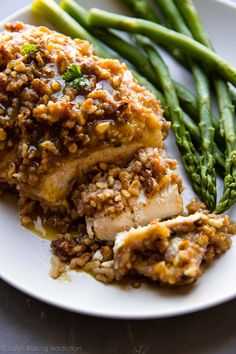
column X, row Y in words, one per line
column 120, row 198
column 173, row 251
column 105, row 227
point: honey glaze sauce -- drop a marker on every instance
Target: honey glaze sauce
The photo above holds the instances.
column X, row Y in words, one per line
column 42, row 230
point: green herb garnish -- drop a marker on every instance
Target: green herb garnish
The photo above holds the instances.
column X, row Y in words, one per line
column 72, row 73
column 29, row 49
column 80, row 83
column 75, row 78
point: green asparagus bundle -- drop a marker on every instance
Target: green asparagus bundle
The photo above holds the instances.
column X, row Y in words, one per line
column 142, row 9
column 226, row 108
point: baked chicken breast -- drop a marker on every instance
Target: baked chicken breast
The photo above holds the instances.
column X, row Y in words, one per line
column 67, row 110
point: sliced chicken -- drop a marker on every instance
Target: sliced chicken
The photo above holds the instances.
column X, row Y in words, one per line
column 105, row 227
column 173, row 251
column 120, row 198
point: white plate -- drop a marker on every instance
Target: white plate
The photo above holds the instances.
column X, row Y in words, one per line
column 25, row 258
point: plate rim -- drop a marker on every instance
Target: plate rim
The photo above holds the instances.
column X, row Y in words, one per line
column 100, row 313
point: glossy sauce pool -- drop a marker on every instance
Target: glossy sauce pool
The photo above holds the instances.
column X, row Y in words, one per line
column 42, row 230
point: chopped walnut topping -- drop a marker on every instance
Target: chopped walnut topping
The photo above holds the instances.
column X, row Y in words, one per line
column 113, row 188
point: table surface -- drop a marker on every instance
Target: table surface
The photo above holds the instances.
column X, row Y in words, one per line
column 27, row 325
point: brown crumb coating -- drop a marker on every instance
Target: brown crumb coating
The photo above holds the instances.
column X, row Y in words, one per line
column 54, row 119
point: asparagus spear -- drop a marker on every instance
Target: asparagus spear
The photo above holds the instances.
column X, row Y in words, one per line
column 196, row 137
column 232, row 91
column 227, row 125
column 229, row 196
column 190, row 15
column 64, row 23
column 207, row 159
column 163, row 35
column 142, row 9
